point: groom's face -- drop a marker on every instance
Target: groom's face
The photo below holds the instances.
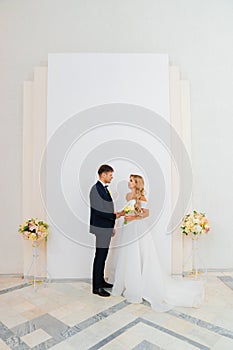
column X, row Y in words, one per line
column 107, row 177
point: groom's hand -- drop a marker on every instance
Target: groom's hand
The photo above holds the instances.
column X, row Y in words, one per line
column 119, row 214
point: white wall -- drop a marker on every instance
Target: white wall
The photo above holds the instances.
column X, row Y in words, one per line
column 197, row 35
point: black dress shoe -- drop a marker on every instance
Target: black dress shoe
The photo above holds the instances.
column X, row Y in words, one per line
column 107, row 285
column 101, row 292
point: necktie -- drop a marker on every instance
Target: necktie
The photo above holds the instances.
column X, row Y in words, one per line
column 106, row 189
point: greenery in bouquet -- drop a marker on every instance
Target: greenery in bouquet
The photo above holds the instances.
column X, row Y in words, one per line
column 195, row 224
column 34, row 229
column 128, row 209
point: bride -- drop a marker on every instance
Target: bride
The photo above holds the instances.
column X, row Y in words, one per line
column 136, row 271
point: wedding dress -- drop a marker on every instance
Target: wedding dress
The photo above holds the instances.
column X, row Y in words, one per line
column 137, row 274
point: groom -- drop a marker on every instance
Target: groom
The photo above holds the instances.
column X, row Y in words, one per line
column 102, row 223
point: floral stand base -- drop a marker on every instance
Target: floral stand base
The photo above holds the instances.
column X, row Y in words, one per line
column 197, row 261
column 34, row 264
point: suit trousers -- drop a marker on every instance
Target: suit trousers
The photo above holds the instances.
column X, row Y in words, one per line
column 101, row 252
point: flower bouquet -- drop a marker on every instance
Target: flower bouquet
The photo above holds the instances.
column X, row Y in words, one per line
column 128, row 209
column 34, row 229
column 195, row 224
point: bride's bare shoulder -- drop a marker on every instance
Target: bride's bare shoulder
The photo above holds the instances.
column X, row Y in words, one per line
column 143, row 199
column 128, row 196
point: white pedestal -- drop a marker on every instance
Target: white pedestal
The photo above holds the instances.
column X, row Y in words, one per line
column 196, row 260
column 33, row 269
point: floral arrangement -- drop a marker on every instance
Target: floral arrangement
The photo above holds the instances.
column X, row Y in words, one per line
column 128, row 209
column 195, row 224
column 34, row 229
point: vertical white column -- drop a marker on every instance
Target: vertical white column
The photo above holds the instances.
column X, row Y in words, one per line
column 34, row 142
column 27, row 154
column 39, row 143
column 27, row 166
column 186, row 132
column 175, row 119
column 39, row 134
column 181, row 121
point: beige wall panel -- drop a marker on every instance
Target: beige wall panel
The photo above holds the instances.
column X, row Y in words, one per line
column 35, row 100
column 187, row 139
column 175, row 118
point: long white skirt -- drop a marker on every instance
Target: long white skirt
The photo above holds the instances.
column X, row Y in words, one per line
column 137, row 274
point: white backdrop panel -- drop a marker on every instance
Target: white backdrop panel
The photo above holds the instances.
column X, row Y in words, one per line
column 77, row 82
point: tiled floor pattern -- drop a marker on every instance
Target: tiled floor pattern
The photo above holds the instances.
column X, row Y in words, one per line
column 67, row 316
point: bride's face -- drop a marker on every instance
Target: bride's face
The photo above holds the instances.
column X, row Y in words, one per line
column 131, row 183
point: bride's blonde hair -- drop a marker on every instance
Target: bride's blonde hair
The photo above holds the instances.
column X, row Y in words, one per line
column 139, row 192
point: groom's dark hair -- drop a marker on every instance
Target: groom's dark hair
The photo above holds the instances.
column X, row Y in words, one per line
column 105, row 168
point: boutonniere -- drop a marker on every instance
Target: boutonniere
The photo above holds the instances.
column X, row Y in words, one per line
column 110, row 192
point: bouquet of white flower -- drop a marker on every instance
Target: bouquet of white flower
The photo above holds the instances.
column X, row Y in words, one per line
column 34, row 229
column 195, row 224
column 128, row 209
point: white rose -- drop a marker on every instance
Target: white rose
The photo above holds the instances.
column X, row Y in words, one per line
column 197, row 228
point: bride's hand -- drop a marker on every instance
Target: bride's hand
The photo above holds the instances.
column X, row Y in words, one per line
column 129, row 217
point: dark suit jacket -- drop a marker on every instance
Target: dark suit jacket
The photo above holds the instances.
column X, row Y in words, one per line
column 102, row 219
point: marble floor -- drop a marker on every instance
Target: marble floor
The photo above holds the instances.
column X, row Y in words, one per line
column 67, row 316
